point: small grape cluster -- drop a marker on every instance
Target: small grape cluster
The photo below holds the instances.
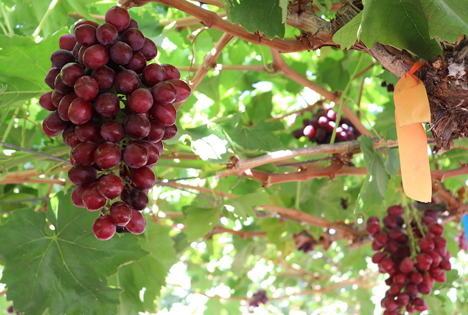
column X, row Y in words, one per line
column 10, row 310
column 319, row 129
column 462, row 244
column 389, row 86
column 114, row 110
column 258, row 297
column 409, row 275
column 304, row 241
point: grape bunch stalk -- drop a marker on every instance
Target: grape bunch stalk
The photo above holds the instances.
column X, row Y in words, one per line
column 319, row 129
column 113, row 109
column 413, row 261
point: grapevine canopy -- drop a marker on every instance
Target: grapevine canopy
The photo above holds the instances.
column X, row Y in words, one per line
column 243, row 201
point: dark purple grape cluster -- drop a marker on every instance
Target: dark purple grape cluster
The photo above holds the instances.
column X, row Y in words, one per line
column 258, row 297
column 114, row 110
column 304, row 241
column 409, row 275
column 10, row 310
column 319, row 129
column 389, row 86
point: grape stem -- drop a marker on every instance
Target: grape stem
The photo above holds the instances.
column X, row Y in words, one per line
column 44, row 19
column 409, row 231
column 342, row 98
column 7, row 21
column 10, row 125
column 298, row 196
column 21, row 201
column 33, row 152
column 416, row 218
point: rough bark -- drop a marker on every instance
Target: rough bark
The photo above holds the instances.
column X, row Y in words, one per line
column 447, row 88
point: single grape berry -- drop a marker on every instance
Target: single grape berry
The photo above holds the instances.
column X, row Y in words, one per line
column 135, row 155
column 137, row 223
column 118, row 17
column 120, row 213
column 92, row 199
column 406, row 265
column 104, row 228
column 67, row 42
column 80, row 175
column 110, row 186
column 107, row 155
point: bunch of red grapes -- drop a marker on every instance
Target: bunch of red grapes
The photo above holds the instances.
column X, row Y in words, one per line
column 462, row 244
column 114, row 110
column 409, row 275
column 319, row 129
column 258, row 298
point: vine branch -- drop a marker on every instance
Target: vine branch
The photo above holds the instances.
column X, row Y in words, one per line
column 209, row 61
column 33, row 152
column 212, row 20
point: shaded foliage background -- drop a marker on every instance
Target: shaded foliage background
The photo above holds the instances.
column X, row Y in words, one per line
column 222, row 238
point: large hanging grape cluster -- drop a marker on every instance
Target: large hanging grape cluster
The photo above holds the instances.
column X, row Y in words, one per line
column 114, row 110
column 319, row 129
column 410, row 275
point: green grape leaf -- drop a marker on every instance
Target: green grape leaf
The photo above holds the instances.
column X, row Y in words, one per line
column 209, row 143
column 326, row 195
column 348, row 34
column 402, row 24
column 199, row 221
column 260, row 107
column 388, row 77
column 376, row 183
column 40, row 261
column 267, row 16
column 28, row 14
column 243, row 206
column 23, row 67
column 258, row 137
column 392, row 164
column 334, row 73
column 275, row 231
column 448, row 19
column 149, row 273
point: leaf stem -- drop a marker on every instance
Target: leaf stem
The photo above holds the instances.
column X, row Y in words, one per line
column 44, row 19
column 33, row 152
column 342, row 97
column 24, row 200
column 298, row 196
column 7, row 21
column 409, row 231
column 10, row 125
column 3, row 28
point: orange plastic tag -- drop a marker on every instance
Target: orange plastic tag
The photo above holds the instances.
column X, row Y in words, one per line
column 410, row 96
column 411, row 109
column 414, row 161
